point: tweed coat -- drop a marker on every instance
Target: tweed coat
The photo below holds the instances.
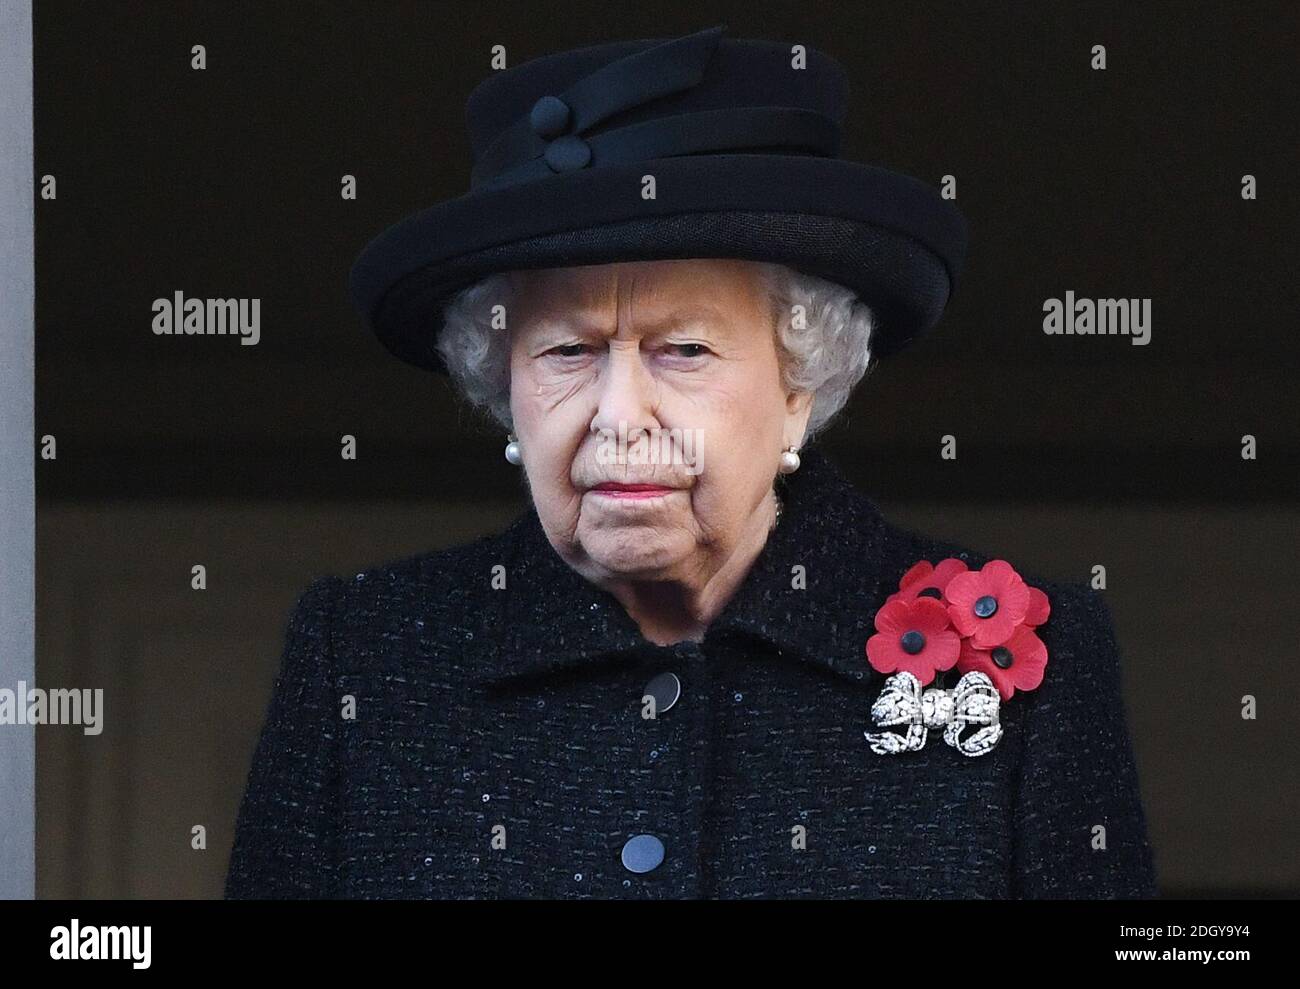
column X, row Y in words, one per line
column 433, row 734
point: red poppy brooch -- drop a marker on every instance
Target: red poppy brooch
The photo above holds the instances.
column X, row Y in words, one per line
column 980, row 621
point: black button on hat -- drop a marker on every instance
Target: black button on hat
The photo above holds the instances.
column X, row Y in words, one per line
column 643, row 853
column 665, row 689
column 1002, row 656
column 567, row 154
column 549, row 116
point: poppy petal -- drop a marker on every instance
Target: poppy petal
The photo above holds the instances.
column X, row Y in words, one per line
column 919, row 571
column 1039, row 608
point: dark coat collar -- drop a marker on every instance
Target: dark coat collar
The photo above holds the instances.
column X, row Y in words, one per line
column 551, row 618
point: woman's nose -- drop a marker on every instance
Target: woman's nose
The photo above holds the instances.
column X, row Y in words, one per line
column 628, row 392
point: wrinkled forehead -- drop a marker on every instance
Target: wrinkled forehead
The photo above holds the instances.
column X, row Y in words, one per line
column 646, row 288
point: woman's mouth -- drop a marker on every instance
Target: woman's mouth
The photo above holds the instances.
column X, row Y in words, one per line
column 613, row 489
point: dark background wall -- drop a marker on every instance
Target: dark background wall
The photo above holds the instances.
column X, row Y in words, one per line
column 1073, row 451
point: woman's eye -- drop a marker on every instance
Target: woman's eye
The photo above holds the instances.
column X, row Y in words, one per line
column 689, row 349
column 569, row 350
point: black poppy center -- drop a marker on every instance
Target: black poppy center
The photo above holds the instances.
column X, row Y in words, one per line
column 930, row 592
column 986, row 606
column 912, row 642
column 1001, row 655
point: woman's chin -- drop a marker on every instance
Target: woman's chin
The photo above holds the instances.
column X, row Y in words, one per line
column 636, row 553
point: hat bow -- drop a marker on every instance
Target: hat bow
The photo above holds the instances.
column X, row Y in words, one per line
column 554, row 136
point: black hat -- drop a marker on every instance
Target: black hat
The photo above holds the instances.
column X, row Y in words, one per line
column 742, row 143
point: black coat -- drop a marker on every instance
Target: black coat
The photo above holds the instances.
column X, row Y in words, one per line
column 498, row 746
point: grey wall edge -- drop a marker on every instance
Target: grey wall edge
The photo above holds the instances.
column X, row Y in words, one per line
column 17, row 476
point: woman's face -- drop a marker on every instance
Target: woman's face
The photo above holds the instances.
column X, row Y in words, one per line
column 679, row 359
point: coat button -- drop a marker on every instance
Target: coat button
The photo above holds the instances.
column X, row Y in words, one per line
column 643, row 853
column 665, row 689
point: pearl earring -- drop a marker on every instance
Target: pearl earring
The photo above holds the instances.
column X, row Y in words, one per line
column 513, row 452
column 789, row 460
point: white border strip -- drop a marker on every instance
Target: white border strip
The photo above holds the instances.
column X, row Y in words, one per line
column 17, row 446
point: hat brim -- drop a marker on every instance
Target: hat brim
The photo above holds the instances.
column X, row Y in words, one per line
column 889, row 237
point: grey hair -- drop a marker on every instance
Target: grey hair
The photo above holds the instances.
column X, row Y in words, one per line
column 824, row 337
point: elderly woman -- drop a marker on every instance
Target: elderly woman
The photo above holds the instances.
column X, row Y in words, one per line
column 702, row 664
